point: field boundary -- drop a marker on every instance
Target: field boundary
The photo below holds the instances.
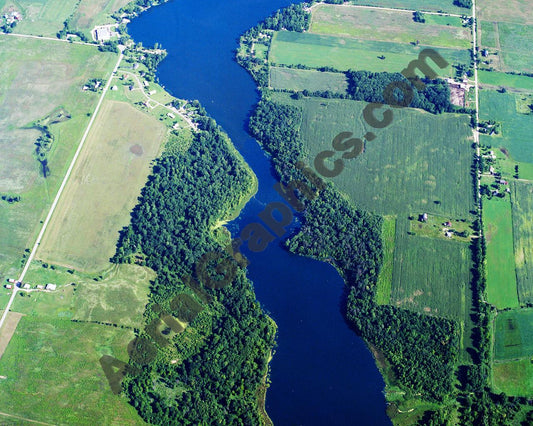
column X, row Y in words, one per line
column 360, row 6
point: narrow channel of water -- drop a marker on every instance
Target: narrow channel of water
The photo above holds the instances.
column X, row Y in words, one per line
column 322, row 373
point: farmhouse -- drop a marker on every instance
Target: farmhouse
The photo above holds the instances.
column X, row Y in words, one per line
column 9, row 286
column 12, row 281
column 50, row 286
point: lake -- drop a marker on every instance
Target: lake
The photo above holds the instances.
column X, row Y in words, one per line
column 321, row 373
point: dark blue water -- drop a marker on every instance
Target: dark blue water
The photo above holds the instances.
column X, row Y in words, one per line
column 322, row 373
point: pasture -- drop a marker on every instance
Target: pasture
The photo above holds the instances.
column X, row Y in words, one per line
column 515, row 378
column 419, row 163
column 298, row 80
column 516, row 127
column 384, row 283
column 501, row 278
column 516, row 44
column 387, row 25
column 513, row 334
column 522, row 208
column 514, row 11
column 46, row 17
column 103, row 188
column 119, row 297
column 58, row 360
column 430, row 275
column 37, row 77
column 505, row 80
column 343, row 53
column 428, row 5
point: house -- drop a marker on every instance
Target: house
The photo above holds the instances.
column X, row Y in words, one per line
column 50, row 287
column 171, row 115
column 9, row 286
column 114, row 88
column 423, row 217
column 176, row 126
column 12, row 281
column 503, row 182
column 103, row 34
column 448, row 234
column 152, row 92
column 26, row 286
column 448, row 224
column 40, row 287
column 491, row 170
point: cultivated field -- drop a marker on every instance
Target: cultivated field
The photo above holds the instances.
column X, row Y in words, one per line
column 119, row 297
column 298, row 80
column 54, row 374
column 515, row 378
column 522, row 207
column 343, row 53
column 103, row 188
column 385, row 25
column 430, row 275
column 90, row 13
column 513, row 334
column 384, row 283
column 402, row 170
column 37, row 77
column 501, row 278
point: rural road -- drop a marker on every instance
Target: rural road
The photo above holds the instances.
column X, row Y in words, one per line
column 49, row 38
column 59, row 192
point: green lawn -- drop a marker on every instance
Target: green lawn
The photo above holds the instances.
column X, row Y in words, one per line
column 343, row 53
column 54, row 374
column 385, row 25
column 513, row 334
column 298, row 80
column 384, row 283
column 501, row 277
column 522, row 207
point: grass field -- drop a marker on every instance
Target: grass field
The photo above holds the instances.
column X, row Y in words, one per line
column 516, row 43
column 384, row 283
column 522, row 207
column 516, row 127
column 402, row 170
column 103, row 189
column 385, row 25
column 501, row 278
column 343, row 53
column 492, row 10
column 515, row 378
column 505, row 80
column 37, row 77
column 488, row 35
column 513, row 334
column 119, row 297
column 296, row 79
column 430, row 275
column 54, row 375
column 46, row 17
column 428, row 5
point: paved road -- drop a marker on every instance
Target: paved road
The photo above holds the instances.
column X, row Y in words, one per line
column 59, row 192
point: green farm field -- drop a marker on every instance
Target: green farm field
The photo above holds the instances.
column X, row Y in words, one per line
column 430, row 274
column 515, row 378
column 119, row 297
column 105, row 183
column 54, row 374
column 516, row 127
column 501, row 278
column 505, row 80
column 343, row 53
column 384, row 283
column 298, row 80
column 522, row 207
column 513, row 334
column 516, row 43
column 391, row 26
column 38, row 76
column 427, row 5
column 402, row 170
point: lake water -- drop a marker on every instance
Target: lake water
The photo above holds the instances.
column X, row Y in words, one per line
column 322, row 373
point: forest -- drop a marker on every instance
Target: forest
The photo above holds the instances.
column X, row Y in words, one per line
column 224, row 351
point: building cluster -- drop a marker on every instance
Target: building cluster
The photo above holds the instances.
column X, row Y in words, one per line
column 27, row 286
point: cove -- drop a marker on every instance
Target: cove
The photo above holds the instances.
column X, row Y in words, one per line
column 321, row 373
